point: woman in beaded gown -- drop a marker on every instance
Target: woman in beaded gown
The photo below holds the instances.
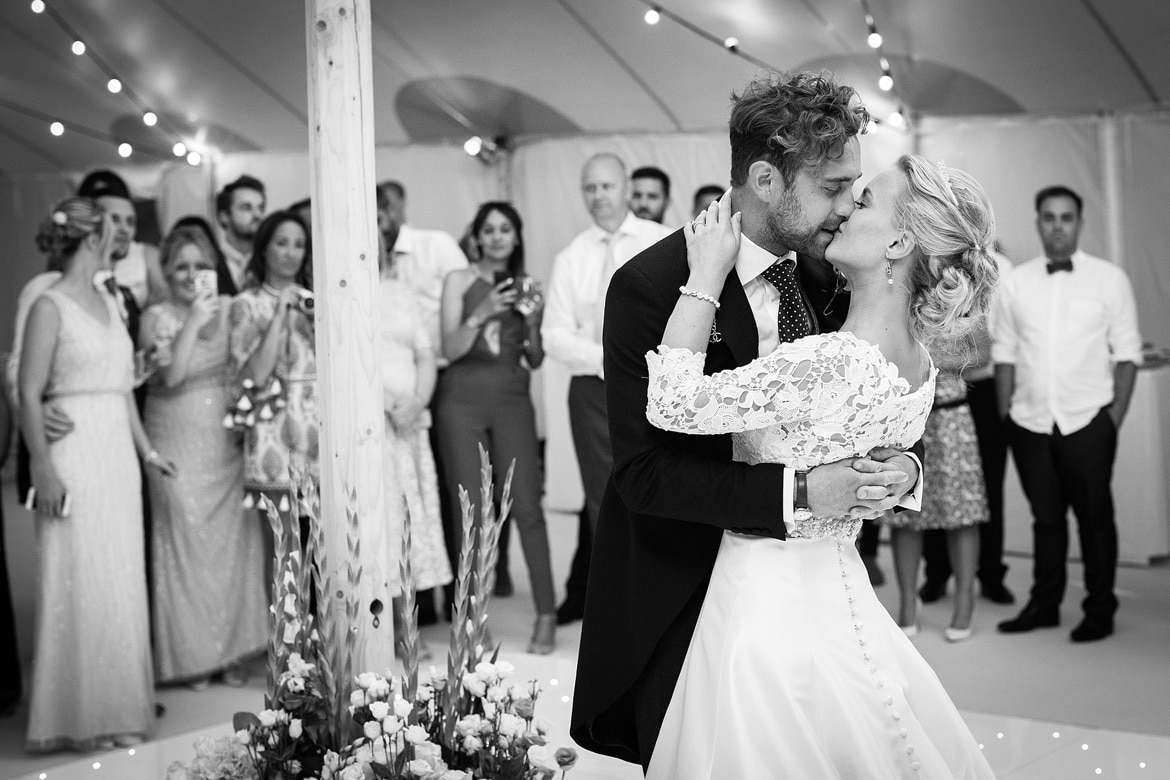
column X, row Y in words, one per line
column 795, row 669
column 92, row 682
column 210, row 611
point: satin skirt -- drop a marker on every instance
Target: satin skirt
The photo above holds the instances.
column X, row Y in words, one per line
column 796, row 670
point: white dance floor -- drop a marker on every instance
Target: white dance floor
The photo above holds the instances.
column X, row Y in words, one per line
column 1017, row 748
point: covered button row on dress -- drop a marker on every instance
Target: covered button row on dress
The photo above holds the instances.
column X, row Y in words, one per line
column 888, row 700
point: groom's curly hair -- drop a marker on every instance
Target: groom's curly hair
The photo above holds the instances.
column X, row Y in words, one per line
column 792, row 120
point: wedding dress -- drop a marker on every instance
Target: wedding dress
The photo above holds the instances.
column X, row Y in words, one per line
column 795, row 669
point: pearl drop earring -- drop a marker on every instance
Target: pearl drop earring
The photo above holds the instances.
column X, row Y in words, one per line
column 889, row 273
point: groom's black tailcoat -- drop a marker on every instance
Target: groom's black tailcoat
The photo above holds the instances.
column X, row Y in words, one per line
column 667, row 503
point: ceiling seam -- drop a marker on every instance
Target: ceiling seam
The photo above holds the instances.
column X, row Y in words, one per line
column 624, row 65
column 85, row 130
column 15, row 137
column 248, row 73
column 1124, row 52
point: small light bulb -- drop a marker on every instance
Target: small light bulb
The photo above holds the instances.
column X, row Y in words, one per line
column 874, row 40
column 473, row 145
column 56, row 128
column 150, row 119
column 180, row 149
column 114, row 86
column 1056, row 735
column 125, row 149
column 731, row 43
column 884, row 63
column 652, row 16
column 194, row 158
column 79, row 48
column 97, row 764
column 886, row 82
column 1084, row 747
column 38, row 6
column 896, row 119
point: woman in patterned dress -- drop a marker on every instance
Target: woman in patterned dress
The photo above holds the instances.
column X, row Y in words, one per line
column 209, row 603
column 273, row 350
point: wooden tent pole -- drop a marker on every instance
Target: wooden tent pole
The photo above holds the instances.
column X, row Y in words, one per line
column 345, row 274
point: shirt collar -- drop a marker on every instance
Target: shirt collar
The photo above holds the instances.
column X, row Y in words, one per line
column 753, row 259
column 628, row 227
column 404, row 244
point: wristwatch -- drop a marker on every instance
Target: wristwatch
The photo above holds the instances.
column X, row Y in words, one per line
column 800, row 508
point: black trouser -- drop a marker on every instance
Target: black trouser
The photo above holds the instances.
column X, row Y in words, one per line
column 989, row 429
column 589, row 423
column 1058, row 471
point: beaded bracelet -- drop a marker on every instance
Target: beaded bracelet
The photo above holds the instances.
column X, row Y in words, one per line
column 701, row 296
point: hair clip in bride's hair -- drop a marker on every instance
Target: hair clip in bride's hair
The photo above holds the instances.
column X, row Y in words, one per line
column 946, row 177
column 60, row 217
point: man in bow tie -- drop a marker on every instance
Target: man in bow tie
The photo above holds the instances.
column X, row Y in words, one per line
column 1066, row 349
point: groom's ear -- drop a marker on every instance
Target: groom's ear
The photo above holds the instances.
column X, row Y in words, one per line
column 901, row 246
column 762, row 179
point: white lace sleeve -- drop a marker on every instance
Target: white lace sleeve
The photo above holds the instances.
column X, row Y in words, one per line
column 812, row 377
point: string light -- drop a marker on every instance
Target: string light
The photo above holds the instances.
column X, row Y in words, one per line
column 125, row 149
column 150, row 119
column 473, row 145
column 194, row 158
column 652, row 16
column 874, row 40
column 896, row 119
column 57, row 128
column 114, row 85
column 180, row 149
column 656, row 13
column 79, row 48
column 886, row 82
column 38, row 6
column 731, row 43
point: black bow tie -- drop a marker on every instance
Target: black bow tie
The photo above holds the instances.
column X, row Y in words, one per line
column 1059, row 265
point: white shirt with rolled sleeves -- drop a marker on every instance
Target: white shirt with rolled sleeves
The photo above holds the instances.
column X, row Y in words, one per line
column 422, row 259
column 1064, row 332
column 569, row 328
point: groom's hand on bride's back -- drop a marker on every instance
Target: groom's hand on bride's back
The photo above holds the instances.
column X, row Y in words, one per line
column 862, row 487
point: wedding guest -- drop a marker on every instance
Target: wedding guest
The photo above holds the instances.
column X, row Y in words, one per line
column 209, row 604
column 408, row 467
column 92, row 605
column 956, row 502
column 239, row 209
column 649, row 193
column 1066, row 348
column 272, row 348
column 572, row 330
column 491, row 315
column 989, row 430
column 10, row 681
column 703, row 197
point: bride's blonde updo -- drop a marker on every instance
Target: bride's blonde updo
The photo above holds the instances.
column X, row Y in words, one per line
column 950, row 217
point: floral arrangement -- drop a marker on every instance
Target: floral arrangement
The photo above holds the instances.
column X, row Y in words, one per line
column 467, row 722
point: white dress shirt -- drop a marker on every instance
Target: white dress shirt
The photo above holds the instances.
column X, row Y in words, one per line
column 1064, row 332
column 236, row 261
column 569, row 329
column 422, row 259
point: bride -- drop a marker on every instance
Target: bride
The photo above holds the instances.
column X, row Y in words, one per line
column 795, row 669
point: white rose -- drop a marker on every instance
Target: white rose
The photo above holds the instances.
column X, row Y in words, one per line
column 353, row 772
column 419, row 768
column 402, row 708
column 416, row 735
column 332, row 760
column 366, row 679
column 294, row 728
column 517, row 692
column 431, row 753
column 425, row 693
column 540, row 757
column 176, row 771
column 474, row 685
column 357, row 698
column 372, row 729
column 472, row 743
column 364, row 754
column 379, row 709
column 511, row 726
column 391, row 725
column 267, row 718
column 380, row 688
column 468, row 724
column 496, row 693
column 504, row 669
column 485, row 671
column 244, row 736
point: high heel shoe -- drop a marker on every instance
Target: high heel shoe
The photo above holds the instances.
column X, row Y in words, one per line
column 957, row 634
column 544, row 633
column 911, row 630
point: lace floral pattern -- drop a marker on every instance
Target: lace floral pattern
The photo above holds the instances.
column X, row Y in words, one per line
column 816, row 400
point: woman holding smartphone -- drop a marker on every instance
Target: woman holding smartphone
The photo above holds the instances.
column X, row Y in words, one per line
column 92, row 683
column 490, row 317
column 205, row 555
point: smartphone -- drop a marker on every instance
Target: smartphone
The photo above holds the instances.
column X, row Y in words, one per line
column 502, row 276
column 206, row 280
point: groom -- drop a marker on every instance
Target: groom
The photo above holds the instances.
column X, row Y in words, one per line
column 794, row 158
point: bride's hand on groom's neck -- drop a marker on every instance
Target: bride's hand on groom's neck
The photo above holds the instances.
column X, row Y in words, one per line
column 861, row 487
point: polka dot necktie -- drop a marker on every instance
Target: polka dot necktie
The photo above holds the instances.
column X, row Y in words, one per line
column 794, row 319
